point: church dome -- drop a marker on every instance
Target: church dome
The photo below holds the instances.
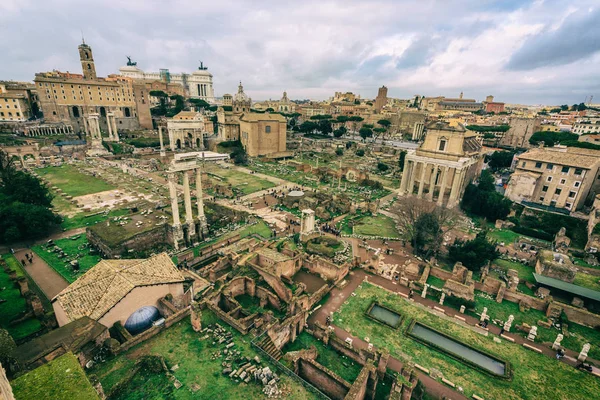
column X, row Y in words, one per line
column 141, row 319
column 240, row 96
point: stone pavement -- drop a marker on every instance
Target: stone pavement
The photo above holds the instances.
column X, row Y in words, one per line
column 48, row 280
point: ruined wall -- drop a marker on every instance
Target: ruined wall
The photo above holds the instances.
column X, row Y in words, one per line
column 440, row 273
column 364, row 385
column 140, row 242
column 277, row 284
column 327, row 270
column 577, row 315
column 327, row 381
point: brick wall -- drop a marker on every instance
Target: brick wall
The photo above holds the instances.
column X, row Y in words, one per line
column 327, row 381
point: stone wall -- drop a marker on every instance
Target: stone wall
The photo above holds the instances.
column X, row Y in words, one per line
column 327, row 270
column 327, row 381
column 275, row 282
column 364, row 385
column 140, row 242
column 440, row 273
column 574, row 314
column 178, row 316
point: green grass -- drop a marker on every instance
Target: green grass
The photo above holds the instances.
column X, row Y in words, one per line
column 379, row 225
column 535, row 376
column 587, row 280
column 525, row 272
column 75, row 249
column 72, row 182
column 181, row 345
column 62, row 378
column 328, row 357
column 437, row 282
column 15, row 306
column 261, row 228
column 503, row 235
column 240, row 181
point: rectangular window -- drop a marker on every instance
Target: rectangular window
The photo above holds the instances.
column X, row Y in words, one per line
column 565, row 170
column 577, row 184
column 549, row 179
column 523, row 164
column 549, row 166
column 578, row 171
column 568, row 205
column 542, row 199
column 558, row 191
column 562, row 181
column 572, row 194
column 538, row 165
column 267, row 129
column 545, row 188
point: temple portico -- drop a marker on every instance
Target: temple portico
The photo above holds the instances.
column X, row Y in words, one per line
column 441, row 168
column 113, row 133
column 46, row 130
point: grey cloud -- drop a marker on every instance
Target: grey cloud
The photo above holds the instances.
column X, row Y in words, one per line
column 576, row 39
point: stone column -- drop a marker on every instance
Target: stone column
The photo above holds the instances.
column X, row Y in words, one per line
column 440, row 200
column 174, row 205
column 422, row 181
column 115, row 130
column 160, row 138
column 86, row 126
column 411, row 178
column 108, row 123
column 454, row 192
column 405, row 177
column 187, row 200
column 424, row 292
column 199, row 199
column 483, row 315
column 432, row 178
column 508, row 323
column 171, row 140
column 556, row 344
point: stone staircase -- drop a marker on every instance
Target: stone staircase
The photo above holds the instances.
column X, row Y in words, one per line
column 269, row 347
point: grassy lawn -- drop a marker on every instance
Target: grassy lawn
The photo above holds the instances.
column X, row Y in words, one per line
column 434, row 281
column 503, row 235
column 525, row 271
column 72, row 182
column 587, row 280
column 535, row 376
column 327, row 357
column 378, row 225
column 260, row 228
column 241, row 181
column 61, row 378
column 197, row 369
column 76, row 248
column 15, row 305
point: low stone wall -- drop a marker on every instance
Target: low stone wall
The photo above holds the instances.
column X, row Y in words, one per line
column 326, row 380
column 364, row 385
column 577, row 315
column 440, row 273
column 326, row 269
column 489, row 285
column 140, row 242
column 173, row 319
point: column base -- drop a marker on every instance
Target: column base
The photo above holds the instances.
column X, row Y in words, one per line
column 163, row 153
column 202, row 226
column 177, row 236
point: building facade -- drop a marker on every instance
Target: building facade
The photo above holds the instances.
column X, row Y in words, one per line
column 187, row 130
column 16, row 100
column 589, row 126
column 228, row 115
column 263, row 134
column 520, row 131
column 381, row 99
column 70, row 98
column 443, row 165
column 559, row 177
column 198, row 84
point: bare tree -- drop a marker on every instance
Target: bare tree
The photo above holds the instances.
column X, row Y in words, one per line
column 423, row 224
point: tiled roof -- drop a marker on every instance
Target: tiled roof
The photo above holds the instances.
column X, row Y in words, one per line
column 580, row 159
column 107, row 283
column 252, row 117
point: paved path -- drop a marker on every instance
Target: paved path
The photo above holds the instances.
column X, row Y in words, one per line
column 433, row 387
column 49, row 281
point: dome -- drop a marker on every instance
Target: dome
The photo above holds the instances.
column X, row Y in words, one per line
column 296, row 193
column 142, row 319
column 240, row 96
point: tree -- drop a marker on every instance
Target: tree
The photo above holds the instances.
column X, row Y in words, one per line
column 385, row 124
column 564, row 107
column 339, row 151
column 382, row 167
column 500, row 159
column 339, row 132
column 423, row 223
column 474, row 253
column 239, row 155
column 401, row 159
column 308, row 127
column 360, row 152
column 552, row 138
column 199, row 103
column 365, row 133
column 355, row 119
column 325, row 126
column 342, row 119
column 483, row 200
column 378, row 132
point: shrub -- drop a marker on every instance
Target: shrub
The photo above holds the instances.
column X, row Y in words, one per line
column 360, row 152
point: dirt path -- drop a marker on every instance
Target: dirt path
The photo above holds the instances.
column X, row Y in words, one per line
column 49, row 281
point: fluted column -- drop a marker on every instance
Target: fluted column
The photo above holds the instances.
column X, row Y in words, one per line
column 199, row 200
column 434, row 170
column 109, row 124
column 189, row 218
column 174, row 205
column 456, row 181
column 440, row 200
column 422, row 180
column 405, row 178
column 411, row 177
column 115, row 130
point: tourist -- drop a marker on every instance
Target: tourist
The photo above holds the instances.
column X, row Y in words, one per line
column 501, row 331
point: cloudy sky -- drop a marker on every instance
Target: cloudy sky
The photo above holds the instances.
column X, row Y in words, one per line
column 535, row 52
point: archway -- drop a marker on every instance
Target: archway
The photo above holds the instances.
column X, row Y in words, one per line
column 75, row 112
column 102, row 112
column 198, row 142
column 127, row 112
column 178, row 143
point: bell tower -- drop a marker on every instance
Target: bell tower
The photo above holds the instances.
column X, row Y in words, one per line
column 87, row 61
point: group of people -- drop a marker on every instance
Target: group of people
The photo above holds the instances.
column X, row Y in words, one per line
column 29, row 257
column 331, row 229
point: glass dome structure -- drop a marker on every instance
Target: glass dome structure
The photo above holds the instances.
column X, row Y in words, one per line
column 142, row 319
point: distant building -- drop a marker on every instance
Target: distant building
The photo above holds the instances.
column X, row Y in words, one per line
column 381, row 99
column 442, row 166
column 560, row 177
column 347, row 96
column 589, row 126
column 493, row 106
column 70, row 98
column 228, row 119
column 198, row 84
column 263, row 134
column 16, row 101
column 521, row 130
column 188, row 130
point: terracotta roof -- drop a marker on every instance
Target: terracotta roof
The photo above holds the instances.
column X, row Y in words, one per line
column 109, row 281
column 577, row 158
column 252, row 117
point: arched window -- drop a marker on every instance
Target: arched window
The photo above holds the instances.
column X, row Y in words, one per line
column 75, row 112
column 102, row 111
column 89, row 66
column 127, row 112
column 87, row 56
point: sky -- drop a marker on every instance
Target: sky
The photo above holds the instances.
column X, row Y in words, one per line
column 526, row 52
